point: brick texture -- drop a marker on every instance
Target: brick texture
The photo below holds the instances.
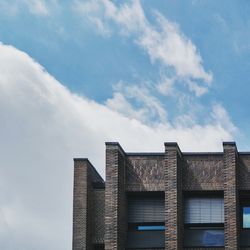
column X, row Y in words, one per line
column 80, row 206
column 145, row 173
column 203, row 172
column 85, row 231
column 173, row 197
column 115, row 198
column 100, row 215
column 231, row 225
column 244, row 171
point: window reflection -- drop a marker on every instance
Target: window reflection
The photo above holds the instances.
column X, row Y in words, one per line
column 204, row 220
column 204, row 237
column 213, row 238
column 246, row 217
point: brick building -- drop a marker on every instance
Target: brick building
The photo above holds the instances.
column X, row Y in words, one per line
column 170, row 200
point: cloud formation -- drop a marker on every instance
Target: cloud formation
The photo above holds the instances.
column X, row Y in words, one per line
column 44, row 125
column 145, row 108
column 35, row 7
column 163, row 41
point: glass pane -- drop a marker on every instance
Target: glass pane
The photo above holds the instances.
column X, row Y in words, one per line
column 246, row 217
column 204, row 210
column 145, row 239
column 204, row 237
column 143, row 209
column 245, row 238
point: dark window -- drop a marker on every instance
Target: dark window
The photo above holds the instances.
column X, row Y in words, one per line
column 204, row 221
column 204, row 236
column 99, row 247
column 146, row 218
column 146, row 239
column 145, row 209
column 245, row 218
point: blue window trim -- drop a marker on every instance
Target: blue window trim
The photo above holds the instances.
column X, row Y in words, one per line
column 151, row 228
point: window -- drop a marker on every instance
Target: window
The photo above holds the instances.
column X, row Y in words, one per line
column 204, row 210
column 246, row 217
column 204, row 221
column 98, row 247
column 146, row 228
column 145, row 209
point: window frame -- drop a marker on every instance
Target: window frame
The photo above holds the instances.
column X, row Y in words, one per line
column 242, row 205
column 133, row 226
column 244, row 201
column 202, row 226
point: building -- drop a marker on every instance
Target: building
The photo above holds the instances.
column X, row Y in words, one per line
column 170, row 200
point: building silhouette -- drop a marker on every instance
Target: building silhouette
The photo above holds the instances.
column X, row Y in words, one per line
column 170, row 200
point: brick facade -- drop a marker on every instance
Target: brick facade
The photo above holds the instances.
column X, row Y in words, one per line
column 115, row 203
column 231, row 224
column 145, row 172
column 173, row 200
column 100, row 213
column 84, row 231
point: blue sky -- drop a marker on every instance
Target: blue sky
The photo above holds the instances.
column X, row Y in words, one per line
column 74, row 74
column 75, row 52
column 64, row 38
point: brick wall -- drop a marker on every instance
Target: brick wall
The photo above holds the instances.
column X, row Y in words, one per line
column 145, row 173
column 80, row 205
column 83, row 205
column 244, row 171
column 98, row 216
column 173, row 197
column 203, row 172
column 172, row 172
column 115, row 203
column 231, row 225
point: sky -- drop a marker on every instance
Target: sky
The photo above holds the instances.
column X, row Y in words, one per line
column 74, row 74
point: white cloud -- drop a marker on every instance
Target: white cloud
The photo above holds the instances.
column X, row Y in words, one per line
column 196, row 88
column 93, row 12
column 222, row 118
column 120, row 104
column 173, row 48
column 43, row 126
column 37, row 7
column 149, row 109
column 163, row 41
column 165, row 87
